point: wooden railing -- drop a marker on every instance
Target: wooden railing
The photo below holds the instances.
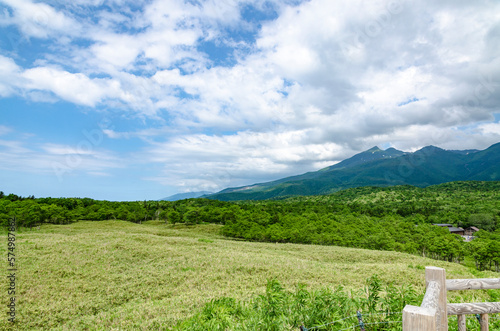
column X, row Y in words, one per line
column 434, row 311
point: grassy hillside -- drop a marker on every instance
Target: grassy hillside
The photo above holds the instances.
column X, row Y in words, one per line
column 121, row 275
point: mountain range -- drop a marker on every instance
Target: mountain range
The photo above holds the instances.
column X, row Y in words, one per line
column 376, row 167
column 187, row 195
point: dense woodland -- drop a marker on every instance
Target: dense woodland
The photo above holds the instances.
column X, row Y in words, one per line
column 396, row 218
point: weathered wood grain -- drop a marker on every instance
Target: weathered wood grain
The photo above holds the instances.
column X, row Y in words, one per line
column 461, row 323
column 438, row 275
column 431, row 297
column 473, row 308
column 419, row 318
column 485, row 323
column 473, row 284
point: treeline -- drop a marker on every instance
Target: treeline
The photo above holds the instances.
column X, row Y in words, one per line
column 395, row 218
column 31, row 211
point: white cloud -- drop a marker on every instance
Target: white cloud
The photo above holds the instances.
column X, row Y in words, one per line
column 39, row 19
column 491, row 129
column 323, row 80
column 13, row 146
column 73, row 87
column 76, row 88
column 8, row 71
column 68, row 150
column 169, row 32
column 352, row 103
column 115, row 51
column 56, row 160
column 218, row 161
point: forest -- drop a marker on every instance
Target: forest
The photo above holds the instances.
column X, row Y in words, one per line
column 395, row 218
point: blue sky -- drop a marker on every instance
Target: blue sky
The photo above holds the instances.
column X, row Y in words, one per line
column 134, row 100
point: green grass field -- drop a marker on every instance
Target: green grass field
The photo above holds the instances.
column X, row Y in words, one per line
column 120, row 275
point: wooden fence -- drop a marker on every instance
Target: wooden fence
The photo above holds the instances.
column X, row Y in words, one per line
column 434, row 311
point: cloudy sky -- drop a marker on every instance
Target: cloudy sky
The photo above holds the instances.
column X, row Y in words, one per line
column 134, row 100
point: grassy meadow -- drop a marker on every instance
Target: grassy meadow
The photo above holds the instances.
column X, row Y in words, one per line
column 118, row 275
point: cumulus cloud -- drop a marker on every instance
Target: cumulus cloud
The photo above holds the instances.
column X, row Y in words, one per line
column 317, row 82
column 76, row 88
column 38, row 19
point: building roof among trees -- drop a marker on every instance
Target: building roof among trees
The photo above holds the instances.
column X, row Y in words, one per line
column 455, row 229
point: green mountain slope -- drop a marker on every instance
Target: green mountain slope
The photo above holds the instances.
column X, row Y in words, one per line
column 485, row 165
column 375, row 167
column 373, row 154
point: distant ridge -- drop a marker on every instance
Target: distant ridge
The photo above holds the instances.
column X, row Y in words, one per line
column 188, row 195
column 372, row 154
column 430, row 165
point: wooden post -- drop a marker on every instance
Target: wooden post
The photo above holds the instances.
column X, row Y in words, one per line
column 433, row 313
column 438, row 275
column 419, row 319
column 461, row 323
column 484, row 322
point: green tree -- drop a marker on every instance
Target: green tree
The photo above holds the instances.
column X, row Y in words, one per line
column 192, row 216
column 174, row 217
column 483, row 221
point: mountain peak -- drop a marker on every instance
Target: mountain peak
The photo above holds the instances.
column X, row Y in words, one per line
column 429, row 149
column 374, row 149
column 373, row 154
